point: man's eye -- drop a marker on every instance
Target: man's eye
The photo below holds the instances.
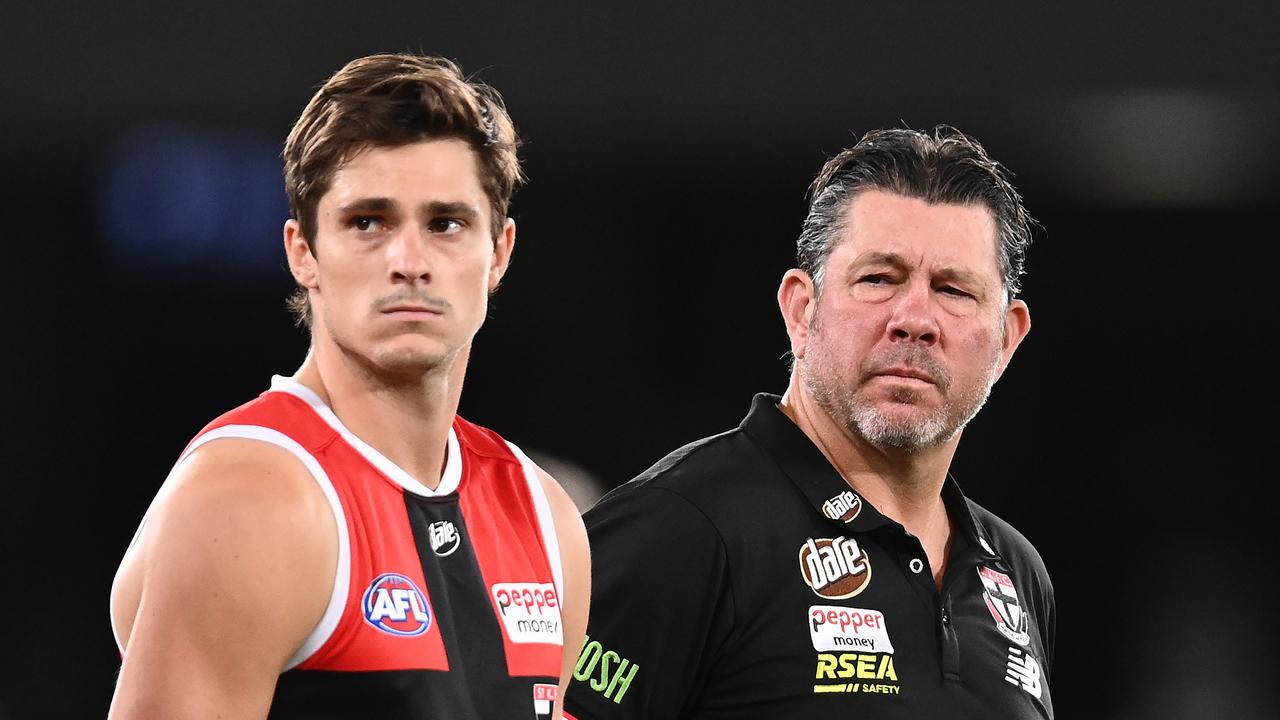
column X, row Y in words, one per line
column 954, row 291
column 366, row 223
column 445, row 225
column 874, row 279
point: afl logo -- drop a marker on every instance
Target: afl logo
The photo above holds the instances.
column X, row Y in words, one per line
column 444, row 538
column 844, row 506
column 836, row 568
column 394, row 605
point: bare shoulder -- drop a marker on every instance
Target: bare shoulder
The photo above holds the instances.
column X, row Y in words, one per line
column 575, row 560
column 568, row 519
column 231, row 571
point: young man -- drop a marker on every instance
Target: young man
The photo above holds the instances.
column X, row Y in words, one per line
column 345, row 545
column 817, row 561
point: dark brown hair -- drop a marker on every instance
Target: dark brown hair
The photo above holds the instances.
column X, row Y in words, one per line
column 944, row 166
column 389, row 101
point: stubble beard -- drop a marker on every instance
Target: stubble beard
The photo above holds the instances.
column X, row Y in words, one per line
column 849, row 406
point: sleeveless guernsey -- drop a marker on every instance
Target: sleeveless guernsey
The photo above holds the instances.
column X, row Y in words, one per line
column 445, row 603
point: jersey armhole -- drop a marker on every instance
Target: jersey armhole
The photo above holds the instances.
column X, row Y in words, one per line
column 342, row 576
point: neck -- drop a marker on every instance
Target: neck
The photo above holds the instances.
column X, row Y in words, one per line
column 904, row 486
column 406, row 418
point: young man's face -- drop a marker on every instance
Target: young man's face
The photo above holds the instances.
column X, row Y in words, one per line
column 911, row 329
column 404, row 258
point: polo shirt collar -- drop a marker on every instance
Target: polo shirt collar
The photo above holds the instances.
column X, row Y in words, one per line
column 810, row 471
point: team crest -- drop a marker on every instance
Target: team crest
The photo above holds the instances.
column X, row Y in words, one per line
column 394, row 605
column 1002, row 601
column 544, row 700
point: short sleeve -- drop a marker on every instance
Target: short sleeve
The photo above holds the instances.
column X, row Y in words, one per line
column 661, row 607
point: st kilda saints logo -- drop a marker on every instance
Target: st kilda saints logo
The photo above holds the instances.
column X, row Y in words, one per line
column 844, row 507
column 836, row 568
column 444, row 538
column 1002, row 601
column 544, row 700
column 394, row 605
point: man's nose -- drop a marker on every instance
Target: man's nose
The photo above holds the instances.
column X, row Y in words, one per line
column 407, row 256
column 913, row 317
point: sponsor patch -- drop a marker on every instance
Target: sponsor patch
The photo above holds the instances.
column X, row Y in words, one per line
column 604, row 671
column 838, row 628
column 856, row 673
column 1002, row 601
column 844, row 507
column 544, row 700
column 834, row 568
column 530, row 612
column 1023, row 671
column 444, row 538
column 394, row 605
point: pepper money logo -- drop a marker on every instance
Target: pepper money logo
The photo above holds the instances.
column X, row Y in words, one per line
column 834, row 569
column 394, row 605
column 1002, row 602
column 530, row 612
column 844, row 507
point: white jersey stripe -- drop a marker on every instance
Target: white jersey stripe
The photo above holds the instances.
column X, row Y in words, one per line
column 449, row 479
column 545, row 520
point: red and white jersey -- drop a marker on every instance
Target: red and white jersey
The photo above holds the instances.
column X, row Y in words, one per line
column 446, row 602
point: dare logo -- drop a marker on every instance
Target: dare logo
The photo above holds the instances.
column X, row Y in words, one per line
column 394, row 605
column 530, row 612
column 835, row 569
column 1002, row 602
column 444, row 538
column 844, row 507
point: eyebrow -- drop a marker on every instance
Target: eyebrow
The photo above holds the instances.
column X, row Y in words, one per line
column 462, row 210
column 898, row 262
column 386, row 205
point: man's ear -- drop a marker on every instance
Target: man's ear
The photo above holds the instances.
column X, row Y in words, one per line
column 503, row 246
column 1017, row 323
column 302, row 260
column 797, row 301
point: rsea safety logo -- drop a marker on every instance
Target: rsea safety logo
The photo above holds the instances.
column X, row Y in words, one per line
column 835, row 569
column 1002, row 601
column 834, row 627
column 444, row 538
column 394, row 605
column 874, row 674
column 605, row 671
column 844, row 506
column 530, row 612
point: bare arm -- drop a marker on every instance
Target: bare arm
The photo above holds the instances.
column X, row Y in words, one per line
column 232, row 571
column 575, row 560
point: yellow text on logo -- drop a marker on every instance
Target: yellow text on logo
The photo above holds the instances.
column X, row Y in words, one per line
column 832, row 666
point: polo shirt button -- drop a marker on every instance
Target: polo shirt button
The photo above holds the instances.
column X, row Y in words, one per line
column 946, row 616
column 916, row 565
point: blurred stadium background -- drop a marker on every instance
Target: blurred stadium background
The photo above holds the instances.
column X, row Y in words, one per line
column 668, row 149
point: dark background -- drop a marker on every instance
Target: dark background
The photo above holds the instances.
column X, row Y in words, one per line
column 668, row 150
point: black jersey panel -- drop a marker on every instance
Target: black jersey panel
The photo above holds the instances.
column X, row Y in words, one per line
column 666, row 602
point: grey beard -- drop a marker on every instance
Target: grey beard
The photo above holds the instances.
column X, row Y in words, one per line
column 865, row 420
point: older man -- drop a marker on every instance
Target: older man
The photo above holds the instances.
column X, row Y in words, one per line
column 818, row 561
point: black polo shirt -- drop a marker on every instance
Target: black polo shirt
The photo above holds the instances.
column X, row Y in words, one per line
column 740, row 577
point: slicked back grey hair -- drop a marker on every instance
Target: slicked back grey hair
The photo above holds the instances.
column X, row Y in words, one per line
column 942, row 167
